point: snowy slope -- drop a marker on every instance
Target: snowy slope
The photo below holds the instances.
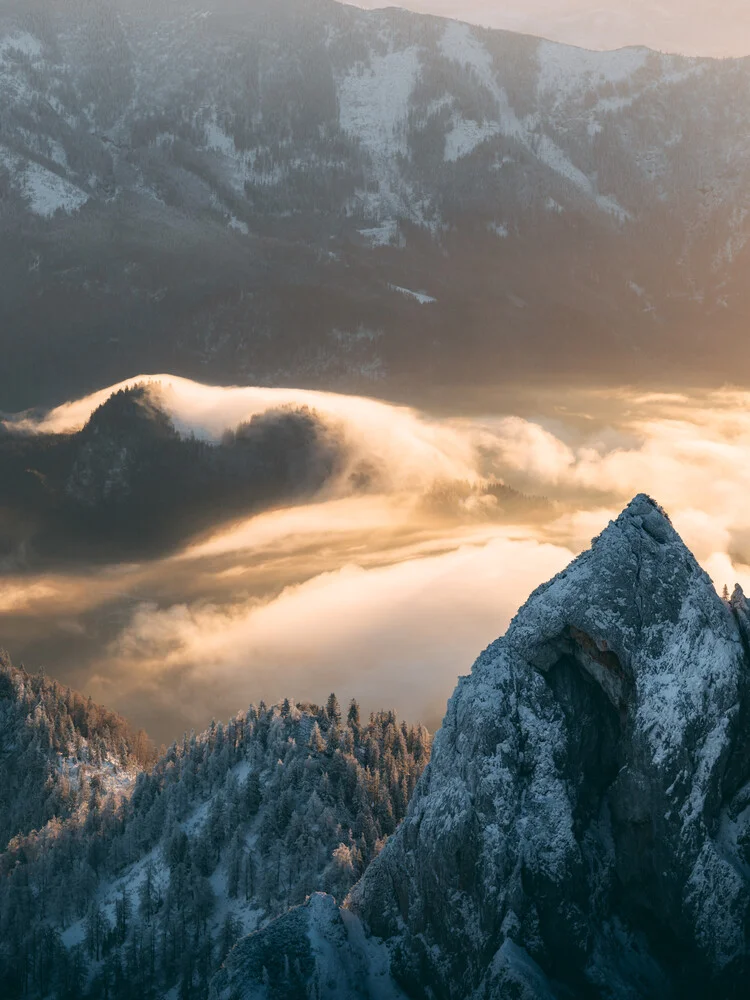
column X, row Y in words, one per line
column 226, row 832
column 378, row 79
column 160, row 161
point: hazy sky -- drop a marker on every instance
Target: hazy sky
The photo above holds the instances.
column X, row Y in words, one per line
column 694, row 27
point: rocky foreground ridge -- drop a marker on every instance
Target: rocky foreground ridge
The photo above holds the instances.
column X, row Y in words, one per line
column 583, row 829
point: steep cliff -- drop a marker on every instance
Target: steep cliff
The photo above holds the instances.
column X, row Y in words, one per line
column 583, row 829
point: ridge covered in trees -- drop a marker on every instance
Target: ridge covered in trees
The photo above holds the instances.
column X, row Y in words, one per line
column 57, row 749
column 143, row 895
column 130, row 484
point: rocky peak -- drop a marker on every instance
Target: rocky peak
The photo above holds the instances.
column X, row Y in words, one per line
column 583, row 828
column 741, row 610
column 644, row 620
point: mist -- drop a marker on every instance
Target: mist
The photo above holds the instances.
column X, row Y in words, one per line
column 385, row 586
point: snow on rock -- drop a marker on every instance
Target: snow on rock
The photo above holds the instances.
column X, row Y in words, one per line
column 565, row 70
column 587, row 803
column 421, row 297
column 374, row 100
column 315, row 951
column 594, row 764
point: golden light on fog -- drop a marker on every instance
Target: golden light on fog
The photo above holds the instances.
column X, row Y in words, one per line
column 373, row 590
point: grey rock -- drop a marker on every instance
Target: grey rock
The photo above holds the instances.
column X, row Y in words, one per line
column 315, row 951
column 583, row 828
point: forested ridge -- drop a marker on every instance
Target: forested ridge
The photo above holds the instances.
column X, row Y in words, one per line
column 144, row 894
column 276, row 193
column 129, row 485
column 57, row 749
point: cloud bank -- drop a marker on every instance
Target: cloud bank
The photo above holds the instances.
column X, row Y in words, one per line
column 367, row 589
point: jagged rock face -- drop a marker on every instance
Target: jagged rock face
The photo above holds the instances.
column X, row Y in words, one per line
column 315, row 951
column 584, row 826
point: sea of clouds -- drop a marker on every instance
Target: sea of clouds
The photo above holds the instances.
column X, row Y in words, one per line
column 366, row 591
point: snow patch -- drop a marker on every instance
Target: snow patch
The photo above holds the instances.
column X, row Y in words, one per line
column 465, row 136
column 21, row 42
column 46, row 191
column 74, row 935
column 611, row 205
column 552, row 156
column 374, row 100
column 565, row 71
column 459, row 44
column 239, row 225
column 421, row 297
column 499, row 229
column 384, row 235
column 217, row 138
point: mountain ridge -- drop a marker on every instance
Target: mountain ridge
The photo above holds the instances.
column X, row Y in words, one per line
column 582, row 828
column 284, row 197
column 128, row 483
column 57, row 748
column 150, row 876
column 591, row 839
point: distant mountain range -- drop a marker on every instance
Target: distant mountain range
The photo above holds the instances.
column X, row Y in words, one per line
column 304, row 192
column 688, row 27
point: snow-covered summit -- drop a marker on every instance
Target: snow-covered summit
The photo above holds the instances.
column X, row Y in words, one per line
column 583, row 828
column 645, row 622
column 588, row 802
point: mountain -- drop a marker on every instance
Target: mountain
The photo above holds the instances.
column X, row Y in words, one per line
column 58, row 752
column 290, row 191
column 142, row 894
column 129, row 484
column 686, row 26
column 583, row 828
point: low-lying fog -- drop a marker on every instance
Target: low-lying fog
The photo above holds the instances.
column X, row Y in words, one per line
column 389, row 580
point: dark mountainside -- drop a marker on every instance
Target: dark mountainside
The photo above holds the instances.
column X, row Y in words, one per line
column 128, row 485
column 583, row 828
column 274, row 191
column 127, row 882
